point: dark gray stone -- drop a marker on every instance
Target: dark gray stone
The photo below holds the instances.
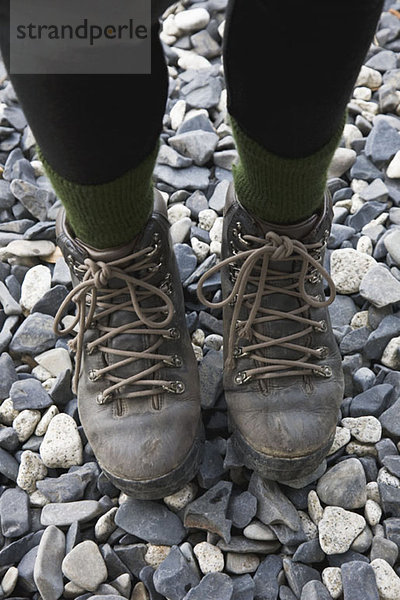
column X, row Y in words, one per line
column 14, row 511
column 359, row 581
column 214, row 586
column 14, row 552
column 380, row 287
column 29, row 394
column 8, row 465
column 132, row 555
column 211, row 468
column 36, row 200
column 243, row 588
column 392, row 463
column 51, row 301
column 392, row 530
column 273, row 505
column 382, row 143
column 8, row 439
column 175, row 576
column 339, row 233
column 298, row 575
column 63, row 514
column 196, row 202
column 242, row 545
column 25, row 571
column 337, row 560
column 390, row 499
column 386, row 448
column 371, row 402
column 242, row 508
column 385, row 549
column 342, row 310
column 34, row 335
column 191, row 178
column 210, row 372
column 365, row 214
column 285, row 593
column 266, row 578
column 146, row 575
column 364, row 379
column 209, row 511
column 8, row 375
column 210, row 323
column 115, row 566
column 66, row 488
column 204, row 96
column 385, row 60
column 389, row 327
column 315, row 590
column 309, row 552
column 186, row 260
column 365, row 169
column 355, row 340
column 217, row 200
column 47, row 573
column 61, row 392
column 390, row 420
column 150, row 521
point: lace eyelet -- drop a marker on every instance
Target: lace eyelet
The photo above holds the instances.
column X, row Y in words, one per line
column 314, row 277
column 237, row 233
column 241, row 378
column 93, row 375
column 238, row 352
column 323, row 351
column 324, row 371
column 322, row 326
column 173, row 334
column 174, row 361
column 175, row 387
column 101, row 400
column 90, row 349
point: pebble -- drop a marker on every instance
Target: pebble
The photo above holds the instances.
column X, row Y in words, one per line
column 29, row 394
column 364, row 429
column 25, row 423
column 332, row 579
column 10, row 306
column 348, row 268
column 175, row 576
column 34, row 335
column 214, row 586
column 36, row 283
column 63, row 514
column 62, row 445
column 379, row 287
column 9, row 581
column 314, row 590
column 384, row 549
column 298, row 575
column 182, row 497
column 143, row 519
column 105, row 525
column 273, row 506
column 369, row 77
column 387, row 581
column 239, row 564
column 393, row 170
column 209, row 511
column 209, row 557
column 156, row 554
column 344, row 485
column 44, row 422
column 85, row 566
column 198, row 145
column 338, row 529
column 343, row 159
column 47, row 572
column 192, row 20
column 14, row 510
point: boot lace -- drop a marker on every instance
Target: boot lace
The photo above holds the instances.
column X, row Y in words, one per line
column 101, row 301
column 256, row 279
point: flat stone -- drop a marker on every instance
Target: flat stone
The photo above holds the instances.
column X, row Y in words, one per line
column 36, row 200
column 69, row 487
column 10, row 306
column 373, row 401
column 214, row 586
column 243, row 588
column 390, row 420
column 172, row 158
column 63, row 514
column 85, row 566
column 34, row 335
column 25, row 423
column 8, row 439
column 15, row 551
column 273, row 506
column 242, row 545
column 365, row 214
column 192, row 20
column 338, row 529
column 25, row 571
column 298, row 575
column 378, row 151
column 384, row 549
column 198, row 145
column 239, row 564
column 8, row 375
column 390, row 499
column 309, row 552
column 143, row 519
column 364, row 169
column 348, row 268
column 133, row 556
column 315, row 590
column 378, row 339
column 266, row 578
column 47, row 573
column 242, row 508
column 15, row 515
column 209, row 511
column 364, row 429
column 62, row 445
column 379, row 287
column 190, row 178
column 174, row 577
column 29, row 394
column 342, row 160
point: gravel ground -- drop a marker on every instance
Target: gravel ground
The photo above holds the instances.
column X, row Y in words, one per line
column 67, row 532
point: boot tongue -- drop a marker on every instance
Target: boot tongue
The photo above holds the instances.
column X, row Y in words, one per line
column 107, row 254
column 297, row 231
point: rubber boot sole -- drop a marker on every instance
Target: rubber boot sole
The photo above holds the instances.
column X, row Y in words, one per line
column 154, row 489
column 275, row 468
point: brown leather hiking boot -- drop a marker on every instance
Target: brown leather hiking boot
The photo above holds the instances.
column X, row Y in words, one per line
column 283, row 378
column 136, row 374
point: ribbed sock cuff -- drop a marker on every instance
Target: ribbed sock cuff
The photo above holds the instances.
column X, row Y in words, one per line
column 108, row 214
column 277, row 189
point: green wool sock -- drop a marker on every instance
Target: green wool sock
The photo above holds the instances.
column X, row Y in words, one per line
column 277, row 189
column 108, row 214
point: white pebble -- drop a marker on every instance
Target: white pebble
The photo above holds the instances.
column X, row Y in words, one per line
column 342, row 437
column 393, row 170
column 36, row 283
column 368, row 77
column 373, row 492
column 385, row 477
column 332, row 580
column 216, row 230
column 8, row 412
column 44, row 422
column 198, row 337
column 25, row 423
column 30, row 248
column 207, row 218
column 364, row 429
column 338, row 529
column 177, row 114
column 348, row 267
column 62, row 445
column 360, row 319
column 372, row 512
column 201, row 249
column 362, row 93
column 210, row 558
column 9, row 581
column 351, row 133
column 179, row 231
column 105, row 525
column 177, row 212
column 386, row 579
column 361, row 449
column 191, row 60
column 257, row 530
column 309, row 528
column 364, row 245
column 192, row 20
column 182, row 497
column 31, row 470
column 156, row 554
column 314, row 507
column 391, row 354
column 41, row 373
column 216, row 248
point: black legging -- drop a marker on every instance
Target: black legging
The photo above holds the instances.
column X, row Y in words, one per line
column 289, row 66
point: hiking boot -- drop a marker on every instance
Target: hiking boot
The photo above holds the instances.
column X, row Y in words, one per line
column 282, row 374
column 136, row 375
